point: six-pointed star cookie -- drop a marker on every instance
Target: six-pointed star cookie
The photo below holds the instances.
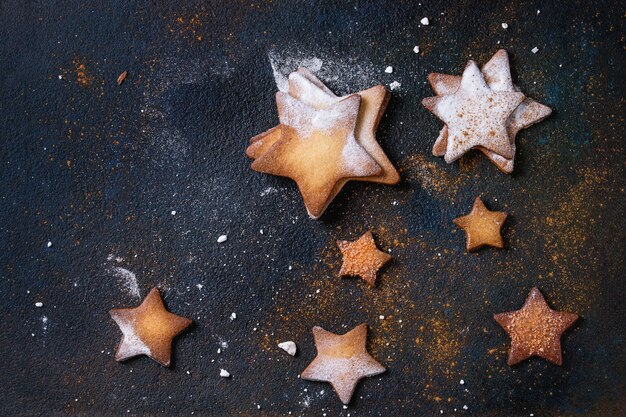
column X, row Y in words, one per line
column 317, row 149
column 148, row 329
column 475, row 115
column 342, row 360
column 482, row 227
column 535, row 329
column 497, row 73
column 362, row 258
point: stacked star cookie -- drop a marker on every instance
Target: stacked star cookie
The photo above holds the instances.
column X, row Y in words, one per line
column 482, row 110
column 324, row 141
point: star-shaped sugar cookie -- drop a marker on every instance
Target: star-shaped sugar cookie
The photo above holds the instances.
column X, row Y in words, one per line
column 148, row 329
column 342, row 360
column 317, row 149
column 362, row 258
column 482, row 227
column 497, row 73
column 309, row 90
column 476, row 115
column 535, row 329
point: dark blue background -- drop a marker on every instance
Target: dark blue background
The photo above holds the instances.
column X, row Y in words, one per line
column 97, row 169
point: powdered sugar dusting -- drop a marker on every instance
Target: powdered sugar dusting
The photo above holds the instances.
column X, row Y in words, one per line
column 282, row 66
column 342, row 74
column 128, row 280
column 306, row 119
column 353, row 158
column 132, row 344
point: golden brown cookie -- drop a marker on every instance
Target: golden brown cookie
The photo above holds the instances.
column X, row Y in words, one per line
column 342, row 360
column 535, row 329
column 482, row 227
column 309, row 90
column 148, row 329
column 317, row 149
column 362, row 258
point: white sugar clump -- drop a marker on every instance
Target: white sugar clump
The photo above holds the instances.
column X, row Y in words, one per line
column 38, row 304
column 534, row 50
column 49, row 244
column 289, row 347
column 416, row 49
column 505, row 26
column 224, row 373
column 425, row 21
column 222, row 239
column 389, row 69
column 233, row 316
column 394, row 85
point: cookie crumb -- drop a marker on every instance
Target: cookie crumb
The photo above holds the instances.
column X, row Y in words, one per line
column 289, row 347
column 122, row 77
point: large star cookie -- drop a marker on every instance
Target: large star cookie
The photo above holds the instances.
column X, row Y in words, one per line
column 497, row 73
column 362, row 258
column 306, row 89
column 148, row 329
column 535, row 329
column 342, row 360
column 482, row 227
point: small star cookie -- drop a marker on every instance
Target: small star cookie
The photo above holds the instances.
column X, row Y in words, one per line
column 362, row 258
column 482, row 227
column 148, row 329
column 535, row 329
column 342, row 360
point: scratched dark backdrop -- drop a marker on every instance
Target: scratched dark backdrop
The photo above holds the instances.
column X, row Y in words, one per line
column 97, row 170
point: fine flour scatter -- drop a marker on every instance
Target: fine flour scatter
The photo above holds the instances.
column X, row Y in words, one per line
column 127, row 279
column 342, row 74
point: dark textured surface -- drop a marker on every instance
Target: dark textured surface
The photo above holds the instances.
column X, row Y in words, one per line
column 97, row 169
